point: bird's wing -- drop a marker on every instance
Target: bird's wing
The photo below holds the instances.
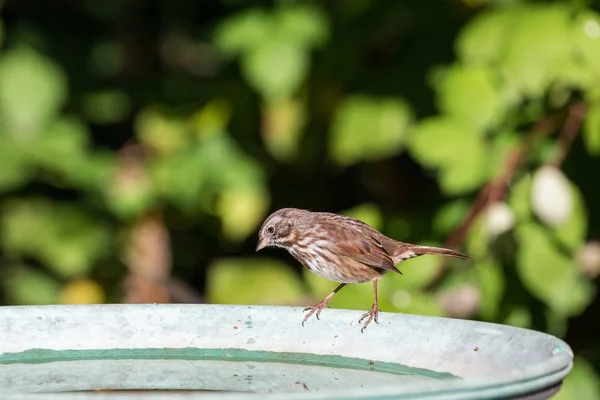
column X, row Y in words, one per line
column 368, row 251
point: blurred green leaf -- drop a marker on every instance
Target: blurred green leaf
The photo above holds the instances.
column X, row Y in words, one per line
column 492, row 284
column 586, row 38
column 16, row 168
column 518, row 316
column 573, row 232
column 416, row 302
column 467, row 173
column 282, row 127
column 456, row 149
column 519, row 198
column 241, row 210
column 548, row 274
column 252, row 281
column 417, row 273
column 27, row 286
column 212, row 119
column 302, row 25
column 243, row 32
column 65, row 237
column 107, row 107
column 368, row 129
column 368, row 213
column 537, row 48
column 32, row 91
column 437, row 141
column 159, row 131
column 471, row 95
column 449, row 215
column 591, row 131
column 276, row 69
column 581, row 383
column 482, row 42
column 82, row 291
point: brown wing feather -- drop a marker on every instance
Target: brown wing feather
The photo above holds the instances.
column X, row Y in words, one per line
column 367, row 251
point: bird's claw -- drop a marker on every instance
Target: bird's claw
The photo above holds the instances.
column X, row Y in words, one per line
column 317, row 308
column 372, row 315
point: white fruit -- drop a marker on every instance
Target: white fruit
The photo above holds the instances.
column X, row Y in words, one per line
column 551, row 196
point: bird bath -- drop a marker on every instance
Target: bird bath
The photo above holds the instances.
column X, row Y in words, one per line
column 225, row 352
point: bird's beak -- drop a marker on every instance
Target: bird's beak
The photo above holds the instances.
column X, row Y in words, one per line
column 262, row 243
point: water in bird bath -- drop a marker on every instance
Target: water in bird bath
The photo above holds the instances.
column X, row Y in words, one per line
column 200, row 369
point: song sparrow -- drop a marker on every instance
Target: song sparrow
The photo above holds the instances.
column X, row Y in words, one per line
column 341, row 249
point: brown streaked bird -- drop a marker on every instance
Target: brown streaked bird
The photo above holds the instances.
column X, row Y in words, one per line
column 341, row 249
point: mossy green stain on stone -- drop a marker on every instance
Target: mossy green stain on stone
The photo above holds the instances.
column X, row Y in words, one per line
column 41, row 356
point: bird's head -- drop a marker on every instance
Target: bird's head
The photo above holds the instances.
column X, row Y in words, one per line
column 278, row 229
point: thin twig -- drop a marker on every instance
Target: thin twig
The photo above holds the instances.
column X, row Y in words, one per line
column 569, row 132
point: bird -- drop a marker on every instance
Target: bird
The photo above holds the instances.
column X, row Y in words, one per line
column 341, row 249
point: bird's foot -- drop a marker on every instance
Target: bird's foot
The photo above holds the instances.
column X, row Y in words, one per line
column 317, row 308
column 372, row 316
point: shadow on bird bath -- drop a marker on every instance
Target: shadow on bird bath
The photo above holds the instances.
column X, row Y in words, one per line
column 213, row 351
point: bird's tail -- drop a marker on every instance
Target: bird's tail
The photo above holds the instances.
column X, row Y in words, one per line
column 412, row 250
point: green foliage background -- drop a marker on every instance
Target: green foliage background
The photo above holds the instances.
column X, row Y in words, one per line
column 142, row 143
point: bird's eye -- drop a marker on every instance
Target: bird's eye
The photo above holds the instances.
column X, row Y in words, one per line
column 270, row 229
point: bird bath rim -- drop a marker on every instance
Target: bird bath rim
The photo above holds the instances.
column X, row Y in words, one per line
column 494, row 361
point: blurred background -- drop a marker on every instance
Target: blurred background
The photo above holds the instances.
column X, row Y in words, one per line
column 143, row 142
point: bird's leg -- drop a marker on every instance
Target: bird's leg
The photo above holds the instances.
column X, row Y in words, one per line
column 374, row 312
column 323, row 304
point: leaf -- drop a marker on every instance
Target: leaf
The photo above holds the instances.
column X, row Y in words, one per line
column 16, row 168
column 243, row 32
column 32, row 91
column 417, row 273
column 368, row 213
column 519, row 198
column 368, row 129
column 518, row 316
column 161, row 132
column 591, row 129
column 548, row 274
column 64, row 237
column 241, row 210
column 457, row 149
column 283, row 121
column 538, row 46
column 586, row 38
column 27, row 286
column 107, row 107
column 415, row 302
column 468, row 172
column 470, row 95
column 212, row 118
column 276, row 68
column 492, row 283
column 82, row 291
column 573, row 232
column 252, row 281
column 581, row 383
column 483, row 40
column 450, row 215
column 302, row 25
column 440, row 140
